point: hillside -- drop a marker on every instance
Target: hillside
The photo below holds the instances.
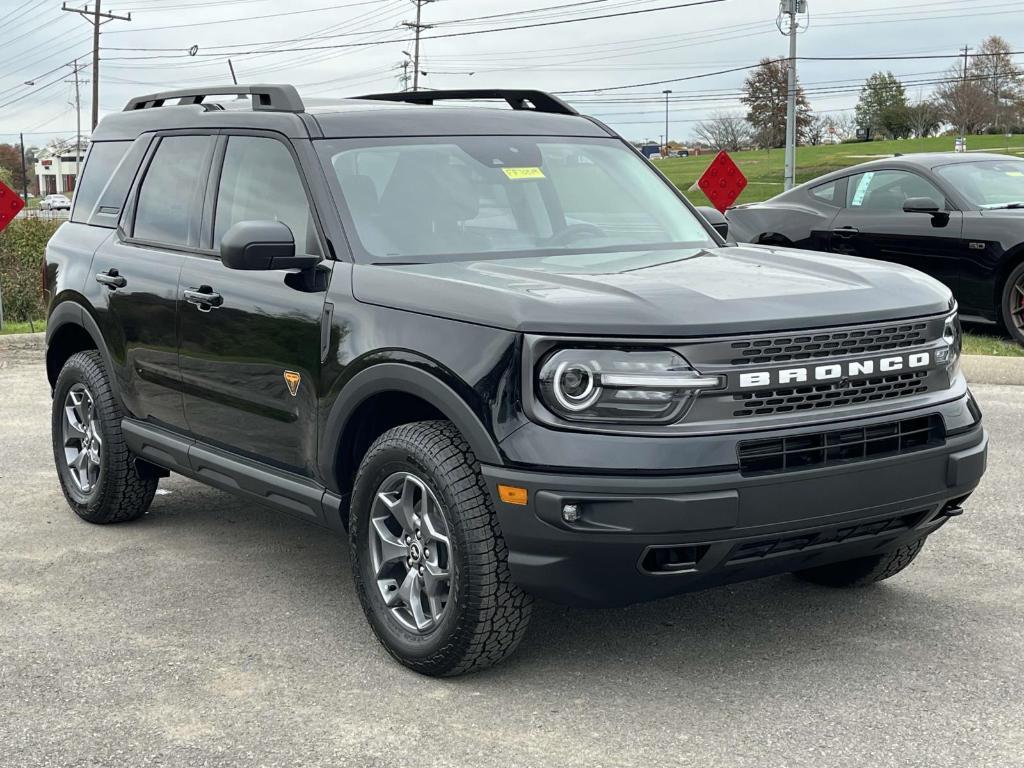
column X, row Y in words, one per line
column 764, row 168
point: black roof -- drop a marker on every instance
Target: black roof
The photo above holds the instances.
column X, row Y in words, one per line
column 279, row 108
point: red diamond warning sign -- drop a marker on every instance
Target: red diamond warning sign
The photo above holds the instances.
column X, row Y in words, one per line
column 10, row 204
column 722, row 182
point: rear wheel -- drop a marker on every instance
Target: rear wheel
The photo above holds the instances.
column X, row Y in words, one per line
column 864, row 570
column 95, row 468
column 1012, row 304
column 429, row 560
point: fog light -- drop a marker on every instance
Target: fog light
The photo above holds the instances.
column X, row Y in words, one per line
column 571, row 512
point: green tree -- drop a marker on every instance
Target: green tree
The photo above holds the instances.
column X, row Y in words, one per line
column 10, row 160
column 882, row 107
column 765, row 93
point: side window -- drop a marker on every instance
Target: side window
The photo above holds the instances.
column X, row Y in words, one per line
column 827, row 193
column 887, row 190
column 259, row 182
column 100, row 165
column 166, row 211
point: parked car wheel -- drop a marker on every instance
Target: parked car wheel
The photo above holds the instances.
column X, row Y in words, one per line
column 95, row 467
column 865, row 570
column 1012, row 304
column 428, row 557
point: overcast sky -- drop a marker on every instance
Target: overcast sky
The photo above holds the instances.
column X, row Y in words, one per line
column 149, row 53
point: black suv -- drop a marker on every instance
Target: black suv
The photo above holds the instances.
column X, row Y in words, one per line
column 498, row 351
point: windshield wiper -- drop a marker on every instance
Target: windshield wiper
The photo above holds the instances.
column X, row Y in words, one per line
column 1004, row 206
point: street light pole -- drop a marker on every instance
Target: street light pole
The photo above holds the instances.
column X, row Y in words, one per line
column 790, row 9
column 667, row 93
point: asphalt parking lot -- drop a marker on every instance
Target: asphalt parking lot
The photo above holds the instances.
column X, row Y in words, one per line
column 215, row 633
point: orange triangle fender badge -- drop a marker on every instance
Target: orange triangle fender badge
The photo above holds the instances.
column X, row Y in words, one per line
column 292, row 379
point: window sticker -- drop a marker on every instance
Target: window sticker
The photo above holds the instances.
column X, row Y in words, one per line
column 524, row 173
column 862, row 189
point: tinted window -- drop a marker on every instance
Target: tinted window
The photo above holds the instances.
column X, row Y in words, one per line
column 826, row 192
column 886, row 190
column 100, row 165
column 490, row 195
column 259, row 182
column 166, row 209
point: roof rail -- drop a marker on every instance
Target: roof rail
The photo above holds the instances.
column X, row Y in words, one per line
column 265, row 98
column 538, row 101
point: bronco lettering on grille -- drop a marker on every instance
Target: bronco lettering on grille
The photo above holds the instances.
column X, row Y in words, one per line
column 835, row 371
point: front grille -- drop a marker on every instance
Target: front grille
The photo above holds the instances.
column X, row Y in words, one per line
column 783, row 545
column 770, row 402
column 841, row 446
column 810, row 346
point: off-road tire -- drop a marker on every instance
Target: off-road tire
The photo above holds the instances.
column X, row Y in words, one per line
column 865, row 570
column 487, row 614
column 1010, row 299
column 119, row 494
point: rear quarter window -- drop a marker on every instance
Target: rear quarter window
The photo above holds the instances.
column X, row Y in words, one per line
column 107, row 176
column 827, row 193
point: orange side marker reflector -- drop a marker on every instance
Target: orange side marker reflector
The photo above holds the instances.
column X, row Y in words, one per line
column 510, row 494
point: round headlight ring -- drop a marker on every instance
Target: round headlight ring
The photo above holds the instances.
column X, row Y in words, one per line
column 578, row 373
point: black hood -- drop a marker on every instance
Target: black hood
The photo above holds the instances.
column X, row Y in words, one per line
column 680, row 293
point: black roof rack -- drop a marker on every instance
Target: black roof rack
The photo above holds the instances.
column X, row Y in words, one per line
column 265, row 98
column 517, row 99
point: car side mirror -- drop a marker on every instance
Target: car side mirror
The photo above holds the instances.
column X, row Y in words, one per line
column 262, row 245
column 716, row 219
column 921, row 205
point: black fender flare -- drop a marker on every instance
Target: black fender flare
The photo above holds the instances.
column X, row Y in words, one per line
column 401, row 377
column 70, row 312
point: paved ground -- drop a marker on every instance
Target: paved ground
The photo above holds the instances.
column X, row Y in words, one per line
column 216, row 633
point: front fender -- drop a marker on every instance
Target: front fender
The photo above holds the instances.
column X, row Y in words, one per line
column 409, row 379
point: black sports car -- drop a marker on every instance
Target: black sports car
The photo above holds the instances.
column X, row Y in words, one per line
column 957, row 217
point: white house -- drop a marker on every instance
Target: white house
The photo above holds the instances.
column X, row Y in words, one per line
column 57, row 169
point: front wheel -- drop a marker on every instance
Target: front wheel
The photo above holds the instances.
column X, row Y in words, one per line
column 428, row 557
column 864, row 570
column 1012, row 304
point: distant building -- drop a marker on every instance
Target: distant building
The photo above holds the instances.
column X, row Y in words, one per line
column 57, row 170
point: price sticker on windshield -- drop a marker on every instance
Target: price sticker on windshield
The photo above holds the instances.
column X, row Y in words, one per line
column 524, row 173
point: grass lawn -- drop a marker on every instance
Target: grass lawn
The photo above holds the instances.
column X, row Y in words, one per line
column 33, row 327
column 983, row 343
column 764, row 169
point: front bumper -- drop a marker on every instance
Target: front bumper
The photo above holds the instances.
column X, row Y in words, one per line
column 644, row 537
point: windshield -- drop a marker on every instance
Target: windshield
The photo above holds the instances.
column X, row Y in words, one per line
column 435, row 199
column 988, row 183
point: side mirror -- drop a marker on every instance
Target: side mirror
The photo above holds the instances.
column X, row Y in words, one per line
column 716, row 219
column 262, row 245
column 921, row 205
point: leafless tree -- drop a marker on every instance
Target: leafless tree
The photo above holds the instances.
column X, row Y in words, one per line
column 962, row 101
column 997, row 75
column 724, row 131
column 924, row 118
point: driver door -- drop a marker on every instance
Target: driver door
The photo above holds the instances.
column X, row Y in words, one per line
column 249, row 341
column 874, row 225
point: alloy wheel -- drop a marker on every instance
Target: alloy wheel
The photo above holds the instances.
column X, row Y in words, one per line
column 83, row 445
column 1016, row 301
column 410, row 552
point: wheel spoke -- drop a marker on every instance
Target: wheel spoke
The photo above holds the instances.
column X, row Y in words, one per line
column 411, row 594
column 392, row 549
column 435, row 579
column 431, row 532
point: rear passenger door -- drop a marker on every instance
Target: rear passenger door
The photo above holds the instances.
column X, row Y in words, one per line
column 250, row 341
column 135, row 273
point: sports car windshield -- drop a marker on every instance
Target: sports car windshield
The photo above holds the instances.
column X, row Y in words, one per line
column 435, row 199
column 988, row 183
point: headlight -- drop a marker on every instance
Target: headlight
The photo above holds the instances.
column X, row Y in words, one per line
column 952, row 335
column 620, row 385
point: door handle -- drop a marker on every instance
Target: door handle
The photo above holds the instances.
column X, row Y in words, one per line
column 845, row 231
column 203, row 297
column 111, row 279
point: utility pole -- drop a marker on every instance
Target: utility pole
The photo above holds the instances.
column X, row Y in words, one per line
column 791, row 8
column 963, row 86
column 232, row 68
column 78, row 122
column 96, row 18
column 418, row 26
column 24, row 174
column 667, row 93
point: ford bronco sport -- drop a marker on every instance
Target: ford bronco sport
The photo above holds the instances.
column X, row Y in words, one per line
column 498, row 351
